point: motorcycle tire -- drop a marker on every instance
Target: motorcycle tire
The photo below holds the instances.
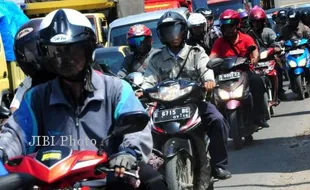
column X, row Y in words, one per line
column 299, row 87
column 267, row 107
column 177, row 165
column 234, row 127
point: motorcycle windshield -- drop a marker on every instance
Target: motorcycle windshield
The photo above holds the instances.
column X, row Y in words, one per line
column 296, row 43
column 230, row 62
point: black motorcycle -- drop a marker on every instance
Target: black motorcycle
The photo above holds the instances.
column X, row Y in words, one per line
column 178, row 135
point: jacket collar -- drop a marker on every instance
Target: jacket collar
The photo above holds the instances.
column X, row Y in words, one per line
column 58, row 97
column 182, row 54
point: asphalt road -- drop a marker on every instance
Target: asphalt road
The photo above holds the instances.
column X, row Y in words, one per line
column 278, row 158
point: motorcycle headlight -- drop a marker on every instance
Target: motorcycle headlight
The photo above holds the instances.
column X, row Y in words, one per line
column 292, row 64
column 224, row 95
column 302, row 62
column 170, row 93
column 238, row 92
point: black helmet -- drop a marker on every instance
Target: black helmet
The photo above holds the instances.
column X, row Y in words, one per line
column 293, row 16
column 170, row 25
column 68, row 41
column 208, row 13
column 26, row 47
column 282, row 16
column 305, row 14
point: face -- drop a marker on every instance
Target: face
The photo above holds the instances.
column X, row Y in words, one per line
column 67, row 60
column 140, row 44
column 173, row 34
column 198, row 31
column 229, row 30
column 257, row 24
column 210, row 21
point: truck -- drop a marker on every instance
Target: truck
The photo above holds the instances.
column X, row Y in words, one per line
column 154, row 5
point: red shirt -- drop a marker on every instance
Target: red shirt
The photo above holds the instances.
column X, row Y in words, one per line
column 222, row 48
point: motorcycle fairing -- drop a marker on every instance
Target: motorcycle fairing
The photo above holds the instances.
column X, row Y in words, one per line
column 175, row 145
column 298, row 59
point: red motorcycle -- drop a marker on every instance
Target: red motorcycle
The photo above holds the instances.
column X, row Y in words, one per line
column 60, row 167
column 266, row 69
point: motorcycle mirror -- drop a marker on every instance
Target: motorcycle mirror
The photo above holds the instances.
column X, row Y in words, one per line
column 215, row 62
column 136, row 78
column 130, row 122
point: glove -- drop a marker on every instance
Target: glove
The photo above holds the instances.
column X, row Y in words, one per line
column 121, row 162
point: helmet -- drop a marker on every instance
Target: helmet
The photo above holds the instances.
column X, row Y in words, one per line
column 139, row 38
column 197, row 24
column 305, row 16
column 282, row 16
column 230, row 16
column 26, row 47
column 243, row 13
column 207, row 13
column 275, row 16
column 258, row 14
column 67, row 40
column 293, row 17
column 170, row 26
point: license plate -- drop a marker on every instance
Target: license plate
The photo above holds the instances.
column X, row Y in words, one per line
column 296, row 51
column 229, row 76
column 171, row 114
column 262, row 64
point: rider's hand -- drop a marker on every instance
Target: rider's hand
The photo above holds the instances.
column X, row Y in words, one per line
column 277, row 49
column 138, row 93
column 209, row 85
column 123, row 162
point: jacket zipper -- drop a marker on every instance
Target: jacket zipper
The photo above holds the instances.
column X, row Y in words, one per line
column 77, row 125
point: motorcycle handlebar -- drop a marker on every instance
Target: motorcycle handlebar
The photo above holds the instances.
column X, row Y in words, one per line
column 106, row 170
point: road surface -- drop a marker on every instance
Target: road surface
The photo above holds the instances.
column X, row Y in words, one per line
column 278, row 158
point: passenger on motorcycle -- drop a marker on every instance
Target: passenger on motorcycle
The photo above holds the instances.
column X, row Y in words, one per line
column 235, row 43
column 140, row 41
column 212, row 31
column 280, row 21
column 305, row 16
column 294, row 29
column 264, row 37
column 79, row 103
column 198, row 31
column 27, row 57
column 244, row 25
column 190, row 61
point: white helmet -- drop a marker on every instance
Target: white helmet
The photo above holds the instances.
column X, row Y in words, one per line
column 196, row 19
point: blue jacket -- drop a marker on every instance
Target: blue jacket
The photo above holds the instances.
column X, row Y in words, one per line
column 45, row 111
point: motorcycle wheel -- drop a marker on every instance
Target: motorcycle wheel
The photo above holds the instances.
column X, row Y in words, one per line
column 299, row 87
column 179, row 173
column 234, row 127
column 266, row 106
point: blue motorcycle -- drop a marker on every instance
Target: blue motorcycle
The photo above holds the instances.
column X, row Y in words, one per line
column 298, row 66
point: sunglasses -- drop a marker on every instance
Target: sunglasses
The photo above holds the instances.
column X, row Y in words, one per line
column 136, row 41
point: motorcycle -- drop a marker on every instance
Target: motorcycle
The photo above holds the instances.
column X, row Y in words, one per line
column 233, row 97
column 178, row 136
column 298, row 66
column 266, row 69
column 60, row 167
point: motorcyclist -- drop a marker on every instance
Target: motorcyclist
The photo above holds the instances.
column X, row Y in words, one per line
column 27, row 56
column 197, row 25
column 244, row 25
column 235, row 43
column 294, row 29
column 172, row 31
column 212, row 30
column 140, row 41
column 65, row 106
column 264, row 37
column 280, row 21
column 305, row 16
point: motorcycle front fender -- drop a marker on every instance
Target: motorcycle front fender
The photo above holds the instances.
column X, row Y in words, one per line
column 176, row 145
column 232, row 104
column 298, row 71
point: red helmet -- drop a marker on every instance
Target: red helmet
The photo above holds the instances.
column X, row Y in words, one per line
column 138, row 30
column 258, row 14
column 230, row 16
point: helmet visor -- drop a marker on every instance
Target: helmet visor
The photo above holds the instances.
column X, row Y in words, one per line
column 228, row 21
column 27, row 58
column 67, row 60
column 172, row 32
column 136, row 41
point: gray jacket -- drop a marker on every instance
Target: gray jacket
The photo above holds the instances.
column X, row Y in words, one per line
column 45, row 111
column 267, row 38
column 163, row 65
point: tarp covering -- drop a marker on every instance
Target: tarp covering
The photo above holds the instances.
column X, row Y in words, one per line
column 129, row 7
column 11, row 19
